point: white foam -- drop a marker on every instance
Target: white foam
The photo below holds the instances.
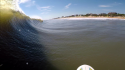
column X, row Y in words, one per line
column 19, row 30
column 11, row 4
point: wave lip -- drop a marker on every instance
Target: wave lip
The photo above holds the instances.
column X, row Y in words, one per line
column 10, row 4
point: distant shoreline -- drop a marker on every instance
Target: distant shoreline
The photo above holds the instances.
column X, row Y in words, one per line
column 93, row 17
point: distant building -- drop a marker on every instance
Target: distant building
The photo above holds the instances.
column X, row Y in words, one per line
column 112, row 13
column 72, row 15
column 67, row 16
column 102, row 14
column 76, row 15
column 79, row 14
column 82, row 15
column 93, row 14
column 89, row 14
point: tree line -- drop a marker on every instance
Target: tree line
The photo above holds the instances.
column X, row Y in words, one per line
column 110, row 14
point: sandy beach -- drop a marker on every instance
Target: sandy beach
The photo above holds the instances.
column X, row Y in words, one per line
column 93, row 17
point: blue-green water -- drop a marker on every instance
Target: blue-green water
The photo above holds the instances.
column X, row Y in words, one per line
column 62, row 44
column 96, row 42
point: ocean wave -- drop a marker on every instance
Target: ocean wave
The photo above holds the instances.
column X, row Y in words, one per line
column 20, row 48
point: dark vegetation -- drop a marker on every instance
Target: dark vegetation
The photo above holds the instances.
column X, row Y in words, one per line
column 110, row 14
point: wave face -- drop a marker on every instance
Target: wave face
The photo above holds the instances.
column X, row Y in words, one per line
column 20, row 48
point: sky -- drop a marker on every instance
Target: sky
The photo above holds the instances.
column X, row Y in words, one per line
column 48, row 9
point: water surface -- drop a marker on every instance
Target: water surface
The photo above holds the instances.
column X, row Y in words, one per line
column 71, row 43
column 62, row 44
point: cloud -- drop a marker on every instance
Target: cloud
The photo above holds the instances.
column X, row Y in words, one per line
column 111, row 5
column 36, row 17
column 116, row 3
column 31, row 3
column 23, row 1
column 46, row 7
column 44, row 12
column 43, row 8
column 104, row 6
column 67, row 6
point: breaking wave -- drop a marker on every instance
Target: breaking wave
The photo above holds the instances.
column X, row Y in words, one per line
column 20, row 48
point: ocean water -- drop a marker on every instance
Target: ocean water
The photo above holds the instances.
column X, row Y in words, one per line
column 62, row 44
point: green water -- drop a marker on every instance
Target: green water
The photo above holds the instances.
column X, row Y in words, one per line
column 98, row 43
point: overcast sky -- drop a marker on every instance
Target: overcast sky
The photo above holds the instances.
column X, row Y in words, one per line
column 47, row 9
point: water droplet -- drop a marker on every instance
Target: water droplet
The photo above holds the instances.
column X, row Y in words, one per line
column 26, row 63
